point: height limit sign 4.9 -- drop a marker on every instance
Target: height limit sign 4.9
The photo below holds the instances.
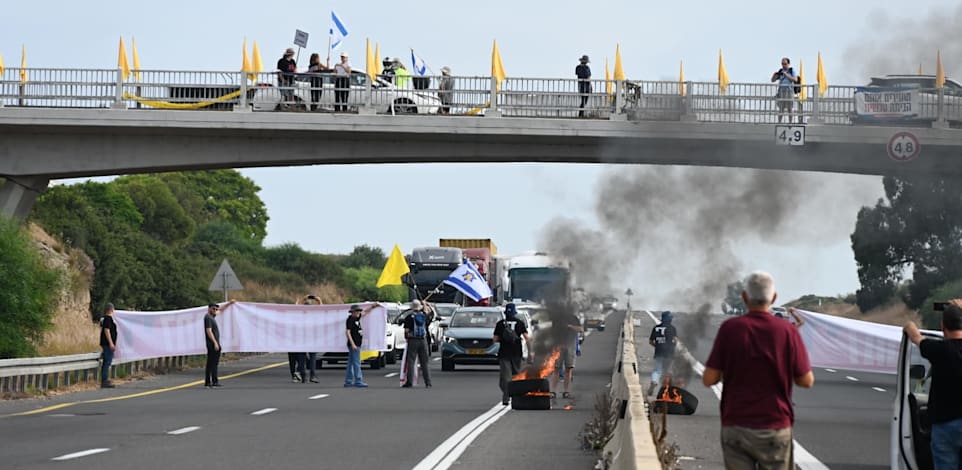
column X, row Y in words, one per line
column 790, row 135
column 904, row 146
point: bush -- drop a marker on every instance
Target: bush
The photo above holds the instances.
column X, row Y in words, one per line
column 28, row 292
column 931, row 319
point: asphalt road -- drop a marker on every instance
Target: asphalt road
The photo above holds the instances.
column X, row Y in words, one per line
column 262, row 420
column 843, row 421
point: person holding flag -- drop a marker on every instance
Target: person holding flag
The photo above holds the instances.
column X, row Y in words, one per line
column 416, row 327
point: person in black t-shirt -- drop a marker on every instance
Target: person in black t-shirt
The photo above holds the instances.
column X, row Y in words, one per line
column 663, row 337
column 944, row 406
column 583, row 72
column 510, row 355
column 355, row 336
column 108, row 342
column 212, row 339
column 286, row 67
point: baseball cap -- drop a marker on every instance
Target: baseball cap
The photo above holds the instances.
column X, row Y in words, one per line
column 356, row 308
column 213, row 306
column 289, row 51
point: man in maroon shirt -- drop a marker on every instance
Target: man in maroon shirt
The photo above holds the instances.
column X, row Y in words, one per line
column 759, row 357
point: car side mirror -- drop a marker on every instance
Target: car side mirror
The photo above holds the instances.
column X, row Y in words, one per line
column 917, row 372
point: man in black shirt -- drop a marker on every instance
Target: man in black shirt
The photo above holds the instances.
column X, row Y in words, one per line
column 108, row 342
column 212, row 338
column 355, row 336
column 583, row 72
column 286, row 67
column 944, row 406
column 510, row 353
column 663, row 337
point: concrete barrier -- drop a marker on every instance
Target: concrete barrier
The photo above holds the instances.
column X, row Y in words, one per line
column 631, row 446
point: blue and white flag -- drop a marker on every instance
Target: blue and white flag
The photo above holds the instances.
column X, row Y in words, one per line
column 420, row 67
column 469, row 281
column 338, row 31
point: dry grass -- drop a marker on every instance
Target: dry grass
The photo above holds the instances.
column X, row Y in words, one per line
column 255, row 292
column 894, row 313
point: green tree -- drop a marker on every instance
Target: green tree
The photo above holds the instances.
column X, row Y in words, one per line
column 28, row 292
column 164, row 218
column 365, row 256
column 918, row 227
column 220, row 194
column 362, row 281
column 314, row 268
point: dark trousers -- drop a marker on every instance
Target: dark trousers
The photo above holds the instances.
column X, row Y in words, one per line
column 210, row 372
column 301, row 360
column 418, row 349
column 584, row 88
column 341, row 93
column 316, row 90
column 105, row 368
column 510, row 366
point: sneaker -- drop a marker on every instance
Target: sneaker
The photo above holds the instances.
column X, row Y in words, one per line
column 314, row 380
column 406, row 385
column 427, row 385
column 348, row 385
column 216, row 385
column 504, row 402
column 361, row 385
column 296, row 377
column 107, row 385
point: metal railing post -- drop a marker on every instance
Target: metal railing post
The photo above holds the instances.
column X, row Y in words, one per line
column 688, row 115
column 119, row 94
column 493, row 104
column 618, row 114
column 367, row 106
column 940, row 121
column 816, row 104
column 242, row 102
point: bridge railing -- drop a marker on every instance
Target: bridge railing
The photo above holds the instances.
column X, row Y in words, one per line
column 516, row 96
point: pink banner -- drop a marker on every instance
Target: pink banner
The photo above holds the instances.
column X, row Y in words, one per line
column 845, row 343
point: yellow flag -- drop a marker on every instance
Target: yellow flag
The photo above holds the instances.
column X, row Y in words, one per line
column 920, row 69
column 801, row 81
column 122, row 60
column 939, row 71
column 1, row 66
column 395, row 267
column 608, row 84
column 377, row 58
column 619, row 68
column 681, row 78
column 23, row 64
column 133, row 46
column 371, row 65
column 497, row 68
column 820, row 77
column 722, row 74
column 258, row 66
column 246, row 60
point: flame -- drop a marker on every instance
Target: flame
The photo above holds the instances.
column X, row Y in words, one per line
column 670, row 395
column 538, row 394
column 547, row 365
column 569, row 407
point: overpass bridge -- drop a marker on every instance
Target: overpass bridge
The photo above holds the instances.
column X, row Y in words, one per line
column 63, row 123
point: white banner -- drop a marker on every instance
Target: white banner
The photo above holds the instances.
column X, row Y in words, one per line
column 845, row 343
column 887, row 102
column 244, row 327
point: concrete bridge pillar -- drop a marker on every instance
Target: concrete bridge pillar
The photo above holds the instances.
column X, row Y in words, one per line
column 17, row 195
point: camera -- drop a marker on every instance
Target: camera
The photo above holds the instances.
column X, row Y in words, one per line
column 939, row 306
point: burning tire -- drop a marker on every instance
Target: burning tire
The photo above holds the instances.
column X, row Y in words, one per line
column 675, row 401
column 530, row 394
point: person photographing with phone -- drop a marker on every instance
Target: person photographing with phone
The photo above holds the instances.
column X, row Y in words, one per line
column 785, row 98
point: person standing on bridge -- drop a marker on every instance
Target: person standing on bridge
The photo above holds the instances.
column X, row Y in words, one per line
column 212, row 338
column 315, row 68
column 664, row 337
column 785, row 98
column 286, row 67
column 583, row 72
column 342, row 82
column 759, row 357
column 445, row 90
column 108, row 342
column 945, row 405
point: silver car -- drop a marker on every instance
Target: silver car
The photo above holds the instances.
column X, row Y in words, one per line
column 316, row 90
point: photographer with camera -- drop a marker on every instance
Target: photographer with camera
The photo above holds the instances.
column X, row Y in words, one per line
column 784, row 99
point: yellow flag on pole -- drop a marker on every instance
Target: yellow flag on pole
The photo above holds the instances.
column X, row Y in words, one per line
column 257, row 65
column 722, row 74
column 246, row 61
column 803, row 95
column 619, row 68
column 23, row 63
column 939, row 71
column 1, row 66
column 497, row 68
column 371, row 65
column 133, row 46
column 608, row 85
column 395, row 267
column 820, row 77
column 681, row 78
column 122, row 60
column 377, row 58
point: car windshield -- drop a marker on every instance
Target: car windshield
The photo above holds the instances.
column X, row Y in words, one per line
column 471, row 319
column 445, row 311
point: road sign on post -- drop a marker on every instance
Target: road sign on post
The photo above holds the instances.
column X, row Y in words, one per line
column 628, row 293
column 904, row 146
column 225, row 280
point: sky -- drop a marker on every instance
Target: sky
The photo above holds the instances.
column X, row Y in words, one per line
column 331, row 209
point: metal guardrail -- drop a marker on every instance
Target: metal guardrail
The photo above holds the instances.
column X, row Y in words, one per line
column 19, row 376
column 516, row 97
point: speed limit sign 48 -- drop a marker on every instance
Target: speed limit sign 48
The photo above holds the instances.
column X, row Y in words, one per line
column 904, row 146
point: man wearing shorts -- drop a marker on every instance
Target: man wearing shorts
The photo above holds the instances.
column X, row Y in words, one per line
column 785, row 97
column 568, row 328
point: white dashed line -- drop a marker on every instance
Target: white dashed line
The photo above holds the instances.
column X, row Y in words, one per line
column 448, row 452
column 61, row 415
column 82, row 453
column 853, row 379
column 831, row 370
column 438, row 359
column 318, row 397
column 392, row 374
column 177, row 432
column 264, row 411
column 878, row 389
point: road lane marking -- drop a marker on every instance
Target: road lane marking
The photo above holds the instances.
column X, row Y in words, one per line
column 392, row 374
column 445, row 454
column 141, row 394
column 878, row 389
column 318, row 397
column 803, row 458
column 177, row 432
column 436, row 359
column 831, row 370
column 82, row 453
column 263, row 412
column 853, row 379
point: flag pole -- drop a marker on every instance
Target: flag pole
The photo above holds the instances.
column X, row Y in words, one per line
column 328, row 51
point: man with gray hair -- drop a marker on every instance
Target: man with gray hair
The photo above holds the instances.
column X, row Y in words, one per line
column 759, row 357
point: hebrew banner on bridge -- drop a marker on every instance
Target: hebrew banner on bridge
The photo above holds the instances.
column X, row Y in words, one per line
column 244, row 327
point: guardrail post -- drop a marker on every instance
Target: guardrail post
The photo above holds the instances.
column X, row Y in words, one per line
column 687, row 115
column 119, row 95
column 242, row 105
column 619, row 112
column 816, row 104
column 493, row 110
column 940, row 121
column 367, row 108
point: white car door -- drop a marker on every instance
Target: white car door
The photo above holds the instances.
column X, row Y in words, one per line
column 910, row 430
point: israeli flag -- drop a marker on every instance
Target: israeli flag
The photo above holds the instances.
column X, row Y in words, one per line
column 469, row 281
column 338, row 31
column 420, row 67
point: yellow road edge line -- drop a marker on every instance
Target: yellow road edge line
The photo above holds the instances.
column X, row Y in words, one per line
column 140, row 394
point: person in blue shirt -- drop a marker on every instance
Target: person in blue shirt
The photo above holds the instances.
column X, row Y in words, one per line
column 785, row 98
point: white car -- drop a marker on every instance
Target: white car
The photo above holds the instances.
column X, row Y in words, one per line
column 911, row 427
column 385, row 97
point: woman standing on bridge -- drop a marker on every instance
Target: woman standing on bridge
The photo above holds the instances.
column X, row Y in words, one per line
column 342, row 85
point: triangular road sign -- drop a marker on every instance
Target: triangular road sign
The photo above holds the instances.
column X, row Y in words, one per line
column 225, row 279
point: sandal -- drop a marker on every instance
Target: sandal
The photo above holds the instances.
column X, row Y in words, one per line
column 565, row 395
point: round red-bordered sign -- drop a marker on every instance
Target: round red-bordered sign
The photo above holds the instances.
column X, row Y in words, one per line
column 904, row 147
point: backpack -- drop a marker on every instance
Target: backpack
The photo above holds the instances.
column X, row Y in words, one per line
column 797, row 87
column 420, row 320
column 509, row 337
